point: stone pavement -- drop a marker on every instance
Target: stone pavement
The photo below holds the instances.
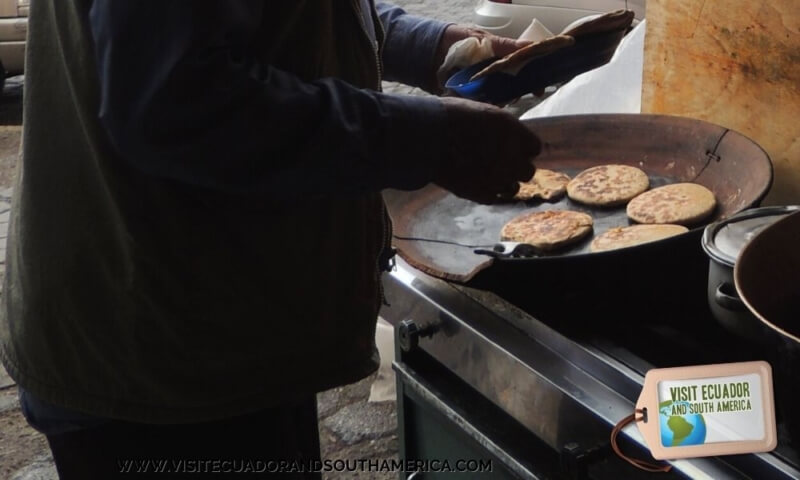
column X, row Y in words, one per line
column 350, row 427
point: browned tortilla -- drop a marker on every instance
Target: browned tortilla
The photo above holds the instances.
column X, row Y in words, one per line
column 617, row 20
column 680, row 203
column 607, row 185
column 547, row 230
column 545, row 184
column 622, row 237
column 513, row 62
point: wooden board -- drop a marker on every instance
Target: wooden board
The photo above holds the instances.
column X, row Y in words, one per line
column 734, row 63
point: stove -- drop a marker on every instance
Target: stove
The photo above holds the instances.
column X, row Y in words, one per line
column 533, row 381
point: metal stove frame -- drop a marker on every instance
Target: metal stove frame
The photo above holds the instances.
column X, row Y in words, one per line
column 479, row 378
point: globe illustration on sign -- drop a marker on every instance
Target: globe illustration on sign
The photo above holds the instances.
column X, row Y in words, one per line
column 680, row 430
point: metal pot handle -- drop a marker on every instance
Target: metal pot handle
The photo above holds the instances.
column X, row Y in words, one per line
column 726, row 297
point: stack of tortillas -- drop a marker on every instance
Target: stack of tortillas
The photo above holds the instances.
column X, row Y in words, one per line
column 515, row 61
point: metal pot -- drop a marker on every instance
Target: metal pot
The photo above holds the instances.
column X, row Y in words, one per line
column 767, row 279
column 723, row 241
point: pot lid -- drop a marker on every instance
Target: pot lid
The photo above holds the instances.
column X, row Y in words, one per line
column 724, row 240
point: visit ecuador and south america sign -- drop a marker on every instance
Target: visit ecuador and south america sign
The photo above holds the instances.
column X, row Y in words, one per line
column 706, row 410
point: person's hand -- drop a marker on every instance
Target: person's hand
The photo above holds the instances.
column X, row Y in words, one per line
column 501, row 46
column 488, row 152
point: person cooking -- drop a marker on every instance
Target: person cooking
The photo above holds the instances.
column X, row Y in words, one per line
column 198, row 234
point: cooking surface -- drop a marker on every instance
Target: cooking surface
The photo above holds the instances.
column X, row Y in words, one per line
column 448, row 230
column 667, row 149
column 452, row 218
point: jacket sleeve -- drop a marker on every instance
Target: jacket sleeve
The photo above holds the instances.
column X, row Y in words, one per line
column 410, row 48
column 182, row 99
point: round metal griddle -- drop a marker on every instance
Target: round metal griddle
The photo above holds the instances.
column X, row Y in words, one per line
column 446, row 230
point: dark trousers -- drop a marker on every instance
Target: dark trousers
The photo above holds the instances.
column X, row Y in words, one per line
column 281, row 442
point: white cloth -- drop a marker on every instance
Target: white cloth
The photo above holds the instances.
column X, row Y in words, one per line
column 615, row 87
column 383, row 387
column 535, row 32
column 464, row 53
column 471, row 50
